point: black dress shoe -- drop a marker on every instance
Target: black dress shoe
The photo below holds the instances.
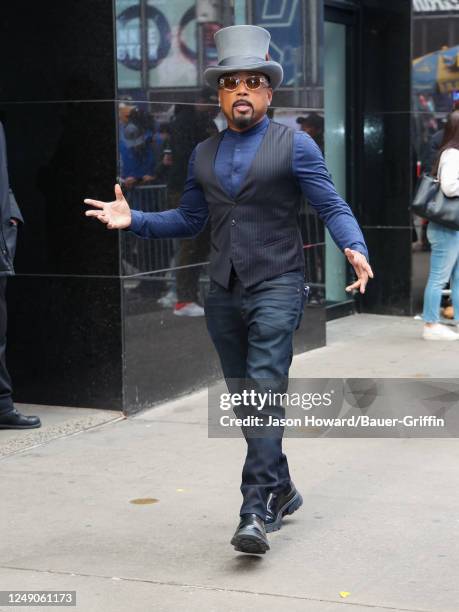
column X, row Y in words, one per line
column 280, row 504
column 16, row 420
column 250, row 536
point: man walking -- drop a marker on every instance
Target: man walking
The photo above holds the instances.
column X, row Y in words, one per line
column 10, row 216
column 250, row 180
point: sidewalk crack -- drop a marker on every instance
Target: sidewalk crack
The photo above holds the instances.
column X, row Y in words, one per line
column 216, row 588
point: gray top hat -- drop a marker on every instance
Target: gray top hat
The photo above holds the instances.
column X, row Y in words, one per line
column 243, row 47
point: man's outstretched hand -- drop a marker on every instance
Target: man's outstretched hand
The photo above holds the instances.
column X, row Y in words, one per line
column 362, row 269
column 116, row 214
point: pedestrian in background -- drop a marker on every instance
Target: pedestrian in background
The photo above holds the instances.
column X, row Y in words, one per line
column 10, row 217
column 444, row 257
column 192, row 124
column 436, row 143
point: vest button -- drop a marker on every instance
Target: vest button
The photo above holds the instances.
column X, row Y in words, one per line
column 233, row 221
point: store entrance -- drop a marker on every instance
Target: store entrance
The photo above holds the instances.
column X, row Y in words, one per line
column 338, row 36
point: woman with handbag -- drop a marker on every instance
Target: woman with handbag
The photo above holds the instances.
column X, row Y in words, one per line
column 444, row 258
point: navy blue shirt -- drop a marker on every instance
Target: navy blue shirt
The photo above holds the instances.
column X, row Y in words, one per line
column 234, row 157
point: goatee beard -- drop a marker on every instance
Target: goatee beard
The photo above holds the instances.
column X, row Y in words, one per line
column 243, row 122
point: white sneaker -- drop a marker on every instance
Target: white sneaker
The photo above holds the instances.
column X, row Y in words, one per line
column 439, row 332
column 190, row 309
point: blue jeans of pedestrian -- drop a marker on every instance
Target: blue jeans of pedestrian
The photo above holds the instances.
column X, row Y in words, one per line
column 444, row 266
column 252, row 330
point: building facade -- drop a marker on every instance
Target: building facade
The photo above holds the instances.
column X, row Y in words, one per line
column 103, row 91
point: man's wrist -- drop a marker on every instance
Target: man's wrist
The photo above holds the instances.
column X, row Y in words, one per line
column 359, row 249
column 136, row 221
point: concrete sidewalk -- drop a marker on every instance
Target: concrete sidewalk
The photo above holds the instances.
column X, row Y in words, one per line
column 378, row 529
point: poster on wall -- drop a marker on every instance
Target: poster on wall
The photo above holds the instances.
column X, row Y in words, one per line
column 284, row 22
column 169, row 31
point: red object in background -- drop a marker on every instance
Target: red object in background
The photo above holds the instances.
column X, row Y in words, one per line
column 418, row 169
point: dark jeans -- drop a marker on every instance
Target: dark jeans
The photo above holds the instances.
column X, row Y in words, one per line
column 252, row 330
column 6, row 401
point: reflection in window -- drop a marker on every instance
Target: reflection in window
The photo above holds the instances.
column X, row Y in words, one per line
column 164, row 44
column 164, row 110
column 156, row 44
column 435, row 79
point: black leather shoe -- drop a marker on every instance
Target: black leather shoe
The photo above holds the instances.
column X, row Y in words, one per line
column 250, row 536
column 16, row 420
column 280, row 504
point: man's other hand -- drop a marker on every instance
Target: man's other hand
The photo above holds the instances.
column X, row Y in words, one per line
column 362, row 269
column 116, row 214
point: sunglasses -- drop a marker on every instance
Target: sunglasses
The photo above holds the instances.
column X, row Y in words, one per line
column 231, row 83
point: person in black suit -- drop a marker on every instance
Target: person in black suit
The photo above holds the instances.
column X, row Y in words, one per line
column 10, row 217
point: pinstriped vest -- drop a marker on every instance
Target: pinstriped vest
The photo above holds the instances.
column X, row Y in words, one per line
column 258, row 231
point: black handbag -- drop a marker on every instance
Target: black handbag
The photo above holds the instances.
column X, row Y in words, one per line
column 431, row 203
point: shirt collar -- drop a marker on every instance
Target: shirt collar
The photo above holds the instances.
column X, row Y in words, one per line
column 255, row 129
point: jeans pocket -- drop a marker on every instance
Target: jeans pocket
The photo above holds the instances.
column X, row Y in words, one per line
column 287, row 280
